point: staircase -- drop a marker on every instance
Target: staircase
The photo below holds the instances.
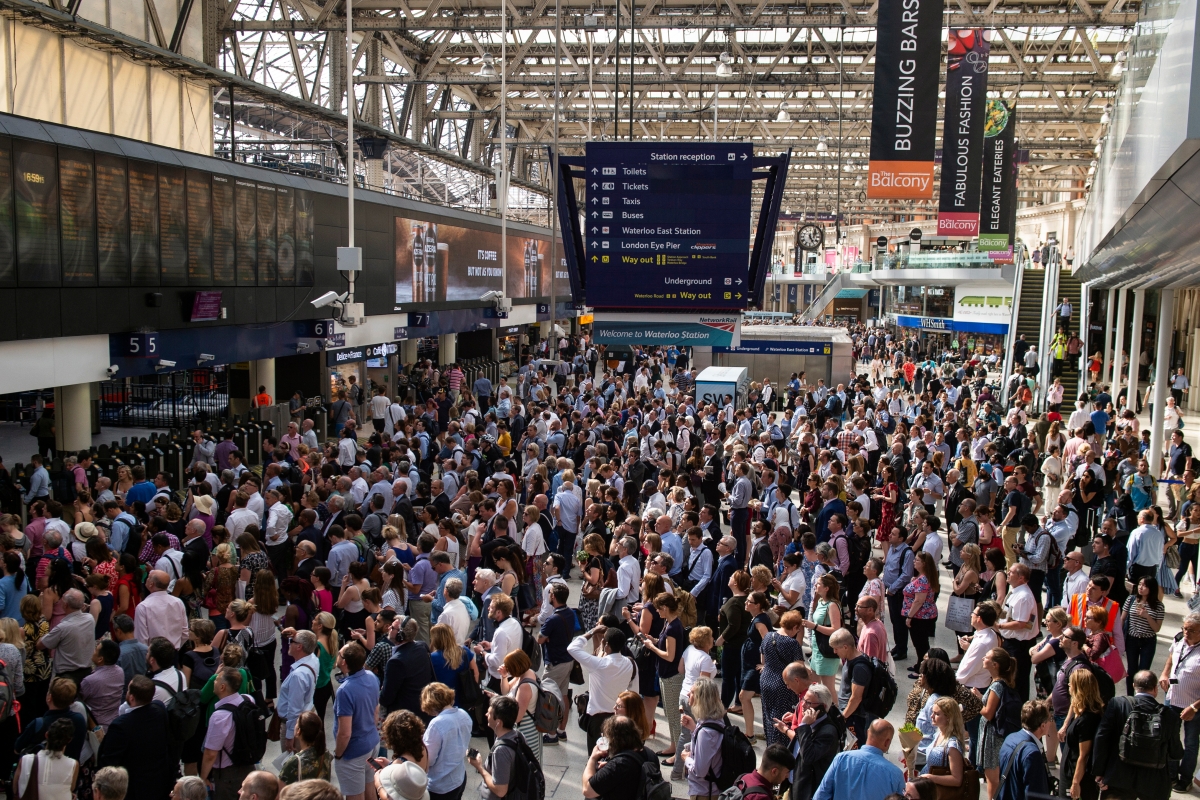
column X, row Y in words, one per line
column 829, row 291
column 1070, row 287
column 1029, row 308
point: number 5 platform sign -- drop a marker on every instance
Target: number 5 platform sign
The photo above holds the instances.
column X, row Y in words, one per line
column 135, row 345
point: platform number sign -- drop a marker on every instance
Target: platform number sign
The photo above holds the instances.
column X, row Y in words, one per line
column 417, row 319
column 141, row 345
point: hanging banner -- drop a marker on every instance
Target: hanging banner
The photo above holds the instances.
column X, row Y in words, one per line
column 905, row 107
column 962, row 133
column 999, row 192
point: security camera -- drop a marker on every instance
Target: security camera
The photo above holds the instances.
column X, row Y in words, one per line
column 112, row 370
column 492, row 295
column 165, row 364
column 302, row 346
column 203, row 357
column 329, row 298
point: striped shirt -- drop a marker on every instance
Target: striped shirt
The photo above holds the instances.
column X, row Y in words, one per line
column 1185, row 668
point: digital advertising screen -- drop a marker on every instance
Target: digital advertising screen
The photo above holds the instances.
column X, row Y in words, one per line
column 112, row 220
column 305, row 226
column 437, row 263
column 36, row 184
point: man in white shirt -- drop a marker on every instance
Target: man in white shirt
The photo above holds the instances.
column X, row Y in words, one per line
column 629, row 573
column 379, row 408
column 241, row 516
column 609, row 674
column 506, row 638
column 551, row 574
column 168, row 560
column 1021, row 626
column 358, row 486
column 971, row 672
column 454, row 613
column 279, row 521
column 307, row 435
column 933, row 540
column 1076, row 581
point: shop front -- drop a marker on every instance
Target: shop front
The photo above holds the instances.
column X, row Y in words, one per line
column 370, row 366
column 510, row 341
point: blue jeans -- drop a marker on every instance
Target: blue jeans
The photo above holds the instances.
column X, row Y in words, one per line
column 1191, row 742
column 1139, row 655
column 1188, row 554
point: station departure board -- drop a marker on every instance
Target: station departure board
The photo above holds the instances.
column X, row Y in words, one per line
column 76, row 217
column 267, row 273
column 77, row 187
column 285, row 235
column 36, row 185
column 112, row 220
column 224, row 272
column 8, row 245
column 143, row 224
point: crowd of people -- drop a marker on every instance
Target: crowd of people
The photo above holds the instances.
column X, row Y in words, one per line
column 478, row 563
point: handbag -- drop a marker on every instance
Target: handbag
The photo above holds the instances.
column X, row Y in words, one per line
column 275, row 727
column 1111, row 663
column 581, row 704
column 1172, row 556
column 31, row 788
column 576, row 673
column 958, row 613
column 970, row 784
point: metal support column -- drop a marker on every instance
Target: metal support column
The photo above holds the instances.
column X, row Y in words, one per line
column 1119, row 343
column 1106, row 354
column 1135, row 346
column 1162, row 362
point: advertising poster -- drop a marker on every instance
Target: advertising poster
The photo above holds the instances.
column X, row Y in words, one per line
column 983, row 302
column 438, row 263
column 962, row 134
column 905, row 106
column 998, row 196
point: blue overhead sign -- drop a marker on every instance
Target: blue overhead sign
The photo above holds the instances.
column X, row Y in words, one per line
column 779, row 348
column 667, row 225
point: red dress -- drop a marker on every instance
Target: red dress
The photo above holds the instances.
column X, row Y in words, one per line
column 129, row 581
column 887, row 514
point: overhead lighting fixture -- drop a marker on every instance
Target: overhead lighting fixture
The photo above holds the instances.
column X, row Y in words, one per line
column 783, row 115
column 723, row 68
column 488, row 69
column 822, row 147
column 1099, row 148
column 1119, row 64
column 1106, row 117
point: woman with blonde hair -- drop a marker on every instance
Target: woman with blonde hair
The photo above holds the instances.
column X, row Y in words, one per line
column 12, row 653
column 237, row 614
column 706, row 723
column 450, row 659
column 695, row 665
column 262, row 626
column 944, row 761
column 1083, row 720
column 447, row 768
column 647, row 621
column 324, row 625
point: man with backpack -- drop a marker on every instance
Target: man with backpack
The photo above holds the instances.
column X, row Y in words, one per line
column 1137, row 743
column 857, row 675
column 774, row 768
column 1022, row 762
column 1038, row 550
column 224, row 766
column 511, row 768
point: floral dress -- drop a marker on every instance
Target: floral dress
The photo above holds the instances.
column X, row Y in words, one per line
column 887, row 514
column 254, row 562
column 778, row 650
column 307, row 765
column 920, row 585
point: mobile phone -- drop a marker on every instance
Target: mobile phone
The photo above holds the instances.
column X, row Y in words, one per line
column 472, row 754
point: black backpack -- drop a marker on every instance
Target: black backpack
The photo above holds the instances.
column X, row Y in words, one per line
column 249, row 731
column 526, row 781
column 1008, row 716
column 652, row 785
column 737, row 755
column 183, row 712
column 881, row 691
column 859, row 549
column 1143, row 740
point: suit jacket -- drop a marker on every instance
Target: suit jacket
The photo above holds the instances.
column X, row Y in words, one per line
column 953, row 499
column 305, row 568
column 814, row 748
column 1028, row 774
column 324, row 545
column 720, row 591
column 1106, row 760
column 406, row 673
column 138, row 742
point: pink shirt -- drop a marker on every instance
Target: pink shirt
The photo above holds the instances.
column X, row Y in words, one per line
column 873, row 641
